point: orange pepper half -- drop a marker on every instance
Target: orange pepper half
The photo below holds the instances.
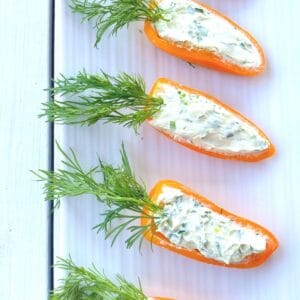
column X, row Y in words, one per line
column 203, row 57
column 159, row 239
column 253, row 157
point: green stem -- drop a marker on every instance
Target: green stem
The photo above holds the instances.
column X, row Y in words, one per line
column 115, row 14
column 90, row 283
column 91, row 97
column 119, row 189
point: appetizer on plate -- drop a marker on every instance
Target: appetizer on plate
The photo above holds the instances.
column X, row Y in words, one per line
column 187, row 116
column 193, row 226
column 171, row 216
column 90, row 283
column 187, row 29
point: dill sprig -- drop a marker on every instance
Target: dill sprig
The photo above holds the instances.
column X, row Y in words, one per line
column 116, row 14
column 119, row 190
column 121, row 99
column 90, row 283
column 72, row 181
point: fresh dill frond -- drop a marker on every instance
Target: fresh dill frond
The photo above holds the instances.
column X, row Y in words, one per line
column 121, row 99
column 90, row 283
column 72, row 181
column 119, row 189
column 115, row 14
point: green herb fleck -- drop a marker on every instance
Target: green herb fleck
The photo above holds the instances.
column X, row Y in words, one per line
column 200, row 10
column 172, row 124
column 191, row 65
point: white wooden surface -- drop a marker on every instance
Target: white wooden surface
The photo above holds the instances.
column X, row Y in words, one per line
column 265, row 192
column 24, row 73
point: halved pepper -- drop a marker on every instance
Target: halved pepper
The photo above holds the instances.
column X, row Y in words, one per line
column 248, row 59
column 160, row 240
column 222, row 238
column 205, row 124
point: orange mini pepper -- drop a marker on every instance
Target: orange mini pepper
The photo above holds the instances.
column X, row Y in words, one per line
column 247, row 157
column 117, row 14
column 251, row 261
column 203, row 57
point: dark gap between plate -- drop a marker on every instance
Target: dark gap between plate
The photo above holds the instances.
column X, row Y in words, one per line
column 50, row 238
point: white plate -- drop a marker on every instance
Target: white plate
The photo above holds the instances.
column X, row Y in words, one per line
column 264, row 192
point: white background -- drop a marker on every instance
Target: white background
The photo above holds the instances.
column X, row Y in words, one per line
column 24, row 73
column 264, row 192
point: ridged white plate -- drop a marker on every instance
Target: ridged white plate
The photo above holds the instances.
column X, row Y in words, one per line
column 265, row 192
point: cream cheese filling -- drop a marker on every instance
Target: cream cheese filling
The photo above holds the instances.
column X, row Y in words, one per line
column 203, row 123
column 189, row 224
column 188, row 24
